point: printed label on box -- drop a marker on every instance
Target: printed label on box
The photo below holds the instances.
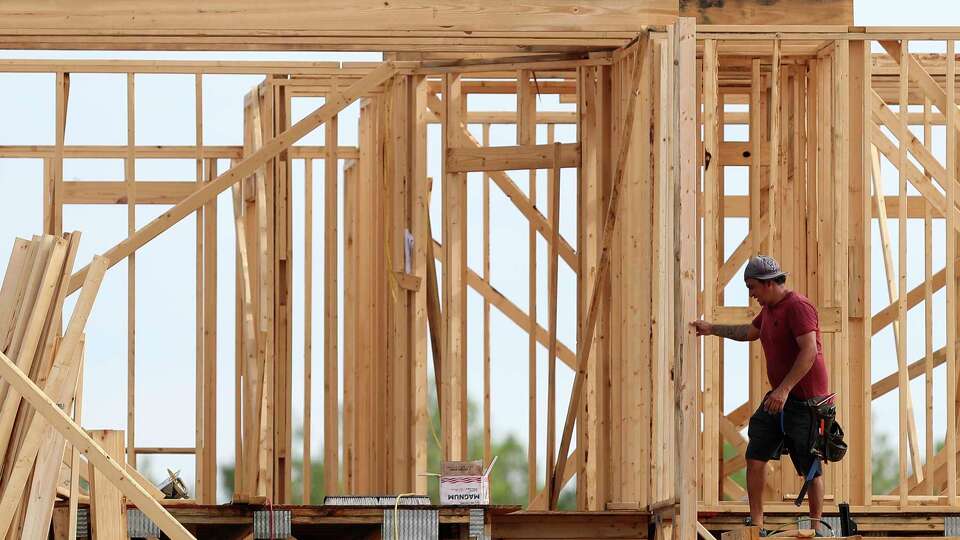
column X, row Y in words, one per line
column 465, row 490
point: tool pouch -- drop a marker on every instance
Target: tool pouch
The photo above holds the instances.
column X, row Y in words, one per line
column 829, row 443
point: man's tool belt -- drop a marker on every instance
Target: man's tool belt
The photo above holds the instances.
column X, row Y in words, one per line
column 828, row 442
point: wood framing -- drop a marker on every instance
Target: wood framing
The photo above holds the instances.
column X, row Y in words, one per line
column 672, row 149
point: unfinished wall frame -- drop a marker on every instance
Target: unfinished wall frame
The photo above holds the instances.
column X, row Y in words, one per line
column 822, row 112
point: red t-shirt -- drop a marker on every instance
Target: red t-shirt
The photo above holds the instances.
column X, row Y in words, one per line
column 780, row 325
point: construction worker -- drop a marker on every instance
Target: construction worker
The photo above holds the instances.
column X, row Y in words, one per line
column 788, row 328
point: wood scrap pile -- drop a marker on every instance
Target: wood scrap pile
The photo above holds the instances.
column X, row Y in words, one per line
column 40, row 382
column 31, row 303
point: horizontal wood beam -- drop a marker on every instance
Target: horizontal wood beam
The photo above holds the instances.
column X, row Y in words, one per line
column 359, row 18
column 167, row 152
column 100, row 192
column 829, row 316
column 805, row 12
column 511, row 158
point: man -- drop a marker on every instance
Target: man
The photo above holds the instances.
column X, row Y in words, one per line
column 789, row 331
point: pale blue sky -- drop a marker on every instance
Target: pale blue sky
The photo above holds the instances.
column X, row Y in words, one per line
column 165, row 268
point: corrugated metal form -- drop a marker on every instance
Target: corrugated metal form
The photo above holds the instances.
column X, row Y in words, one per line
column 269, row 525
column 140, row 526
column 951, row 525
column 385, row 500
column 420, row 524
column 476, row 523
column 83, row 523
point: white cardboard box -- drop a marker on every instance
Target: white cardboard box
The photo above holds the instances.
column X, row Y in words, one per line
column 459, row 487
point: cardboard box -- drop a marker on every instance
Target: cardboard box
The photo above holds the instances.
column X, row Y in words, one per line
column 465, row 483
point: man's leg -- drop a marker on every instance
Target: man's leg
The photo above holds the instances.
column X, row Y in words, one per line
column 815, row 498
column 756, row 479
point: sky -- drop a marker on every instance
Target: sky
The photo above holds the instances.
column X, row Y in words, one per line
column 165, row 267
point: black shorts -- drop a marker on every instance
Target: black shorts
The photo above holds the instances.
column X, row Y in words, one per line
column 794, row 433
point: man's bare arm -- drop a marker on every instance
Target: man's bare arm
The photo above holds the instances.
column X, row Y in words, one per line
column 737, row 332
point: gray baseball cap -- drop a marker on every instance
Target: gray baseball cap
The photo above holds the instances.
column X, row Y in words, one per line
column 762, row 267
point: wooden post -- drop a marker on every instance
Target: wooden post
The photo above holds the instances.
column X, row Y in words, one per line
column 685, row 226
column 950, row 113
column 453, row 386
column 307, row 465
column 331, row 346
column 712, row 408
column 129, row 174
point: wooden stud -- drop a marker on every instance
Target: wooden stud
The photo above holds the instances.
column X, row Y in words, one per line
column 553, row 261
column 331, row 327
column 685, row 254
column 902, row 275
column 487, row 445
column 927, row 308
column 307, row 465
column 712, row 239
column 526, row 135
column 952, row 125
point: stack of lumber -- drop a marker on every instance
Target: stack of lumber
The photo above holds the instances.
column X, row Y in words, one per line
column 40, row 382
column 31, row 302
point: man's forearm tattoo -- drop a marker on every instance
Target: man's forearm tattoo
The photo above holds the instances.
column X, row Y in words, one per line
column 737, row 332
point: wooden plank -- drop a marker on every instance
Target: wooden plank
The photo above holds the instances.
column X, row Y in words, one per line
column 246, row 17
column 487, row 428
column 423, row 264
column 552, row 277
column 904, row 392
column 108, row 511
column 712, row 239
column 859, row 296
column 527, row 135
column 602, row 268
column 744, row 12
column 775, row 150
column 829, row 316
column 12, row 288
column 928, row 309
column 129, row 177
column 454, row 295
column 685, row 363
column 507, row 158
column 75, row 461
column 209, row 372
column 331, row 330
column 106, row 192
column 307, row 463
column 951, row 192
column 43, row 487
column 333, row 105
